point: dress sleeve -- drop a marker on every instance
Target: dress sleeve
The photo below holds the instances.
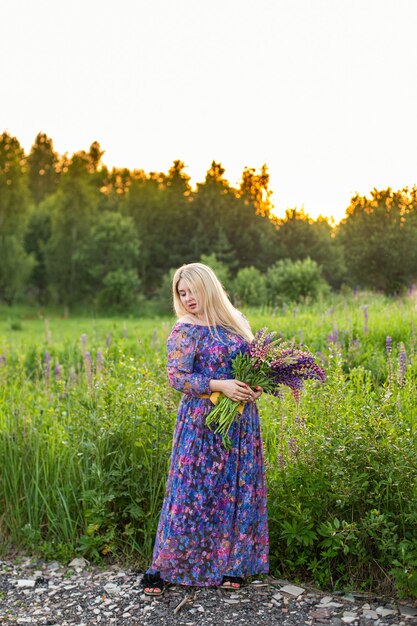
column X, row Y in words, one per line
column 182, row 344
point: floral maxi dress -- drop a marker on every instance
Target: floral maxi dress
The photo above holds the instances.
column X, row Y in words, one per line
column 214, row 515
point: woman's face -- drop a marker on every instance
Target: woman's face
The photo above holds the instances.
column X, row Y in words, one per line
column 189, row 301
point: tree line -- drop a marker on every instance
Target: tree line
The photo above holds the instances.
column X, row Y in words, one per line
column 73, row 231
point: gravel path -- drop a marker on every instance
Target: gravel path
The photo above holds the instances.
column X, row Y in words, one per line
column 52, row 594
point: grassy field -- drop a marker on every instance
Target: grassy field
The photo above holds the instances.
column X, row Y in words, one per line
column 86, row 419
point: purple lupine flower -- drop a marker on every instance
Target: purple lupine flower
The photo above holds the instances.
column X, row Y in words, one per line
column 108, row 339
column 402, row 365
column 3, row 359
column 281, row 461
column 293, row 446
column 388, row 344
column 292, row 367
column 47, row 366
column 300, row 421
column 72, row 376
column 88, row 369
column 262, row 346
column 354, row 344
column 99, row 361
column 365, row 319
column 333, row 337
column 57, row 371
column 83, row 344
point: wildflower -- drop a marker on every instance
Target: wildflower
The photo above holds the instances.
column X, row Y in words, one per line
column 333, row 337
column 47, row 366
column 57, row 371
column 300, row 421
column 83, row 344
column 72, row 376
column 88, row 369
column 402, row 365
column 99, row 361
column 108, row 339
column 281, row 461
column 3, row 359
column 388, row 344
column 292, row 446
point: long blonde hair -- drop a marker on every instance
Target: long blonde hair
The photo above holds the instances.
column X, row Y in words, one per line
column 210, row 295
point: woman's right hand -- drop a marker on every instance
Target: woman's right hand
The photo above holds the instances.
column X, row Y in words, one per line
column 236, row 390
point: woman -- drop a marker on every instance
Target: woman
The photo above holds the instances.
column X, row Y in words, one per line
column 213, row 527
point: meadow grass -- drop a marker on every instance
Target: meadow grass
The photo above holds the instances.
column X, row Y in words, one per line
column 86, row 422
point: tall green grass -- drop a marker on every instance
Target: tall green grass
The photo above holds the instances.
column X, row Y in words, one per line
column 85, row 438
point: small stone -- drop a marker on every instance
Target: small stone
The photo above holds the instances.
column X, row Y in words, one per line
column 292, row 590
column 366, row 606
column 200, row 608
column 53, row 565
column 370, row 614
column 326, row 599
column 231, row 601
column 126, row 615
column 321, row 613
column 407, row 610
column 383, row 612
column 349, row 619
column 96, row 611
column 78, row 563
column 277, row 596
column 25, row 582
column 112, row 588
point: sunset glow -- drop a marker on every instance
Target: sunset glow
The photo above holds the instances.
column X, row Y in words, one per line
column 322, row 91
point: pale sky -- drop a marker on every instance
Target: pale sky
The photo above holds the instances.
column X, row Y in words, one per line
column 322, row 91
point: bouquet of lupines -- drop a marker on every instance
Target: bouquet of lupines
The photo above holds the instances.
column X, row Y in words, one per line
column 269, row 364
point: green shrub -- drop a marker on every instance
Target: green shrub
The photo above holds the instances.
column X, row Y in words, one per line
column 249, row 287
column 120, row 290
column 294, row 281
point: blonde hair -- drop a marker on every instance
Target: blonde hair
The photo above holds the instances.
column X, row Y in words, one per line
column 211, row 296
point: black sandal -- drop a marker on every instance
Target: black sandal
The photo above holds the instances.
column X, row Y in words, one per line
column 232, row 579
column 153, row 581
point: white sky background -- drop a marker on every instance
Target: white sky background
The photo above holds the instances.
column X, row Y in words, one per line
column 322, row 91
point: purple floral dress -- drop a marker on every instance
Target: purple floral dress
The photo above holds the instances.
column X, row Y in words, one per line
column 214, row 515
